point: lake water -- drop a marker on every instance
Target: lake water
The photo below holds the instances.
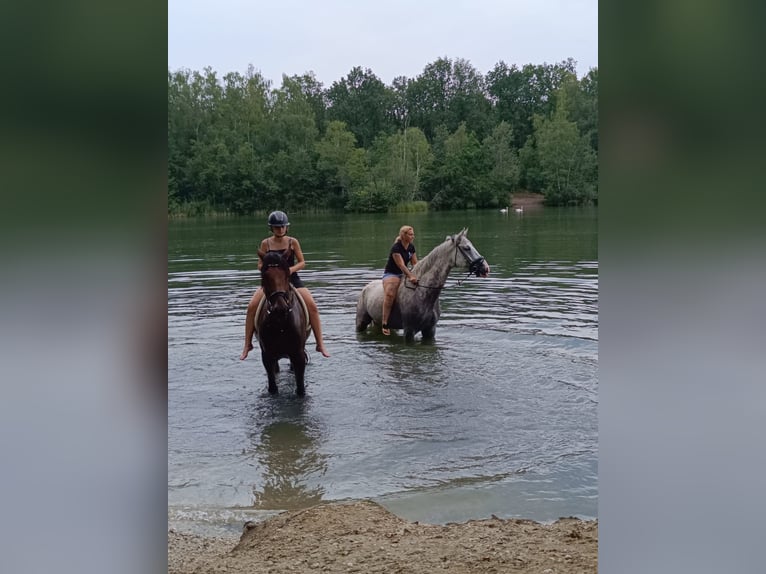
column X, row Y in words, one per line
column 497, row 416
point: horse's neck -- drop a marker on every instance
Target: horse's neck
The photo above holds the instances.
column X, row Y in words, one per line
column 434, row 268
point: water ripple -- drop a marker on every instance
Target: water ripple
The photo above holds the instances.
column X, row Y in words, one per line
column 503, row 401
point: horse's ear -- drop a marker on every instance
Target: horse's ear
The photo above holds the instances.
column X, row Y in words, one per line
column 457, row 236
column 287, row 254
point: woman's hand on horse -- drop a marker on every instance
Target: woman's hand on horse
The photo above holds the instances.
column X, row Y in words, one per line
column 414, row 279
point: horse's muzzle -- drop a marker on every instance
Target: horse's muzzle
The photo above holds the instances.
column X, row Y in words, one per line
column 479, row 267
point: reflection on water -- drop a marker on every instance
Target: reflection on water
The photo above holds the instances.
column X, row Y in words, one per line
column 498, row 415
column 286, row 451
column 398, row 362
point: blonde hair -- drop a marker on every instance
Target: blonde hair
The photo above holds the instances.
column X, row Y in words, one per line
column 402, row 230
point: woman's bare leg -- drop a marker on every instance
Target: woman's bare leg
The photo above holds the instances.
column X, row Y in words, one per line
column 390, row 287
column 316, row 324
column 252, row 307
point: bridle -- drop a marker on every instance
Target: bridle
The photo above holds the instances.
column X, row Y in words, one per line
column 272, row 298
column 474, row 267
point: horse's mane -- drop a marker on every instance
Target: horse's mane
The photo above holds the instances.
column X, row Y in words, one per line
column 425, row 264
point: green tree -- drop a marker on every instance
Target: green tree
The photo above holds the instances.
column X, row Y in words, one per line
column 363, row 103
column 468, row 102
column 453, row 182
column 342, row 165
column 290, row 166
column 520, row 94
column 213, row 131
column 582, row 96
column 206, row 149
column 400, row 160
column 315, row 95
column 237, row 145
column 398, row 107
column 188, row 123
column 244, row 120
column 448, row 93
column 502, row 166
column 567, row 161
column 427, row 96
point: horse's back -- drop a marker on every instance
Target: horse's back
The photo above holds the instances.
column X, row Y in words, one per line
column 372, row 293
column 369, row 306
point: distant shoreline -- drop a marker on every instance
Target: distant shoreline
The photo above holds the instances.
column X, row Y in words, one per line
column 527, row 200
column 519, row 199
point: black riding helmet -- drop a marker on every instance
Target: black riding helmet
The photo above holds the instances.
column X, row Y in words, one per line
column 277, row 218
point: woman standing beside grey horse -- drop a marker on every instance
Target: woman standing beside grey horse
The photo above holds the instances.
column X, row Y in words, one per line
column 401, row 255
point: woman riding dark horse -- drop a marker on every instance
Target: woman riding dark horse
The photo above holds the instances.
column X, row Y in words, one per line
column 280, row 242
column 281, row 321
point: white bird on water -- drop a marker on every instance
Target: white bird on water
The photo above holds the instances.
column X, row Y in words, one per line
column 504, row 210
column 519, row 209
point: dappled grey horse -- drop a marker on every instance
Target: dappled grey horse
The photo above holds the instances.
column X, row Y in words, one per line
column 417, row 306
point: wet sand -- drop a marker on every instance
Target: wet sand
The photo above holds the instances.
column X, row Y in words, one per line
column 363, row 536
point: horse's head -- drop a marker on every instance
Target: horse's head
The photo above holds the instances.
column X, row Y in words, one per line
column 275, row 280
column 471, row 259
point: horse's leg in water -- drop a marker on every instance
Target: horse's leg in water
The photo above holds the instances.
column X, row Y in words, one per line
column 428, row 325
column 428, row 333
column 271, row 365
column 298, row 361
column 363, row 318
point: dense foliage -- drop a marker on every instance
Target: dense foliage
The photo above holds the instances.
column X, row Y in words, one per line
column 450, row 138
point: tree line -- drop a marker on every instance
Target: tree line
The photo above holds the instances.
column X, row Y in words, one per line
column 450, row 138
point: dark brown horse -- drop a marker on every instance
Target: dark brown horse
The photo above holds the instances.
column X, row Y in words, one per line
column 281, row 322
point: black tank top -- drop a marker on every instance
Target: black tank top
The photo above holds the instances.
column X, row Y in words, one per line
column 295, row 280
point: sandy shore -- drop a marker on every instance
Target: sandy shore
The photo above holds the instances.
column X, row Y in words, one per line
column 527, row 200
column 364, row 537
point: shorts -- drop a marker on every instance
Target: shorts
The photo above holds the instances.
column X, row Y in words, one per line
column 389, row 275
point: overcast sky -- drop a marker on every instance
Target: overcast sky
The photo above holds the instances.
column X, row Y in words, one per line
column 390, row 37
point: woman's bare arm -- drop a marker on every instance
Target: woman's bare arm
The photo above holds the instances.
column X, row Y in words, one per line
column 300, row 261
